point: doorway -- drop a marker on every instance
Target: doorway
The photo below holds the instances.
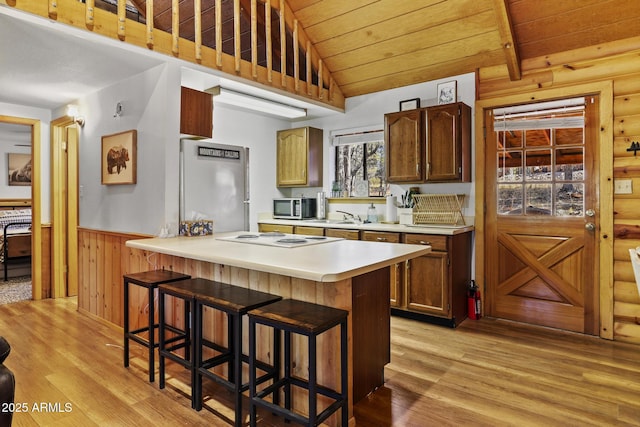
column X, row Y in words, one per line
column 36, row 208
column 64, row 204
column 544, row 249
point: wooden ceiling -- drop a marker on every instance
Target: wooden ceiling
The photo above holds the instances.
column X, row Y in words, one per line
column 374, row 45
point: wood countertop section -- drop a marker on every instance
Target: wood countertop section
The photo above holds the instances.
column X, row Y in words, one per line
column 325, row 262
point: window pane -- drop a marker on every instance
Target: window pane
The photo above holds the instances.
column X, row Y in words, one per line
column 569, row 200
column 509, row 199
column 572, row 136
column 570, row 164
column 538, row 198
column 538, row 165
column 375, row 168
column 510, row 166
column 509, row 139
column 538, row 138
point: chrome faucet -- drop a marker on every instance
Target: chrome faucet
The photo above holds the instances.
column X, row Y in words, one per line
column 346, row 214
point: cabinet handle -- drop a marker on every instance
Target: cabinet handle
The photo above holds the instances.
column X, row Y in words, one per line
column 422, row 242
column 381, row 239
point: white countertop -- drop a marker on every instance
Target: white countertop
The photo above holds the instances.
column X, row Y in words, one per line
column 448, row 230
column 326, row 262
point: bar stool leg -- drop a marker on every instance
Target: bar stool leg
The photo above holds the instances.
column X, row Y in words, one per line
column 287, row 369
column 344, row 371
column 313, row 407
column 237, row 366
column 161, row 343
column 197, row 354
column 126, row 323
column 152, row 334
column 253, row 413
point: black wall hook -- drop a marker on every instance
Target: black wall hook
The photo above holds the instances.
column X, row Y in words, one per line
column 635, row 146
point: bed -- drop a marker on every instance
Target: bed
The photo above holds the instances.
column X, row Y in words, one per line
column 15, row 241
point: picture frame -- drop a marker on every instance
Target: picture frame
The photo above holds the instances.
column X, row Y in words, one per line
column 119, row 162
column 447, row 92
column 19, row 169
column 410, row 104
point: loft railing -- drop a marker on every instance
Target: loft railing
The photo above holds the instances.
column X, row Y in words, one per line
column 279, row 53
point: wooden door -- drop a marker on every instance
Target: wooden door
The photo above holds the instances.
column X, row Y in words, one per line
column 542, row 215
column 404, row 138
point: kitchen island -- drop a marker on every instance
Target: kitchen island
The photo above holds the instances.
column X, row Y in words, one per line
column 351, row 275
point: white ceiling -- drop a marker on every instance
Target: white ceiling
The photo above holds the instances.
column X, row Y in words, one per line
column 47, row 65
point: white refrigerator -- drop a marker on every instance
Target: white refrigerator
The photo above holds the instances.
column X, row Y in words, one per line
column 214, row 184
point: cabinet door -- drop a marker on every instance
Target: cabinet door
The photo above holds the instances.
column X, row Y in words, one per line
column 448, row 143
column 291, row 151
column 427, row 284
column 196, row 113
column 403, row 137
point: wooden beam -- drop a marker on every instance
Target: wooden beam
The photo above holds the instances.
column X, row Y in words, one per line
column 268, row 41
column 254, row 39
column 197, row 18
column 175, row 27
column 508, row 39
column 283, row 43
column 88, row 17
column 122, row 19
column 219, row 33
column 149, row 19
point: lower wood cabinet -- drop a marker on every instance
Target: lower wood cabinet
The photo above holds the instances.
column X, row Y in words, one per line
column 309, row 231
column 344, row 233
column 435, row 285
column 270, row 228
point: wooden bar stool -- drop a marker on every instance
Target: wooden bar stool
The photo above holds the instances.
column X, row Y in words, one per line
column 235, row 302
column 310, row 320
column 183, row 337
column 149, row 280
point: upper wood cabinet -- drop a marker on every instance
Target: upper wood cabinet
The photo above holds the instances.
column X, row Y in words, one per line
column 404, row 139
column 448, row 143
column 299, row 157
column 196, row 113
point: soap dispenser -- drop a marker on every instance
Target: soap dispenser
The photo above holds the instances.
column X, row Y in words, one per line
column 372, row 215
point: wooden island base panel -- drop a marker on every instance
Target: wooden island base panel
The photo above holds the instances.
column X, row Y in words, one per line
column 326, row 274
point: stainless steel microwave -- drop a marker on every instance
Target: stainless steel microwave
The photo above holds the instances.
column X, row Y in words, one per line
column 294, row 208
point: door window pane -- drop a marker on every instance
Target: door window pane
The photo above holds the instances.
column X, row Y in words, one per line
column 538, row 165
column 569, row 199
column 510, row 198
column 538, row 198
column 510, row 166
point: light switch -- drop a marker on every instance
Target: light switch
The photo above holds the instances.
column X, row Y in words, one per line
column 623, row 186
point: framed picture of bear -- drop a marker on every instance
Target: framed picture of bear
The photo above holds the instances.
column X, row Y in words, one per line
column 119, row 158
column 447, row 92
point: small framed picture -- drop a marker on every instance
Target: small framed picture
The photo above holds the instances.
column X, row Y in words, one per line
column 409, row 104
column 119, row 158
column 447, row 92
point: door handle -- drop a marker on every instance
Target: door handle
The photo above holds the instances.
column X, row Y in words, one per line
column 590, row 226
column 590, row 212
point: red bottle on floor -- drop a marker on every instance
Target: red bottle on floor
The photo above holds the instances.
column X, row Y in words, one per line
column 474, row 302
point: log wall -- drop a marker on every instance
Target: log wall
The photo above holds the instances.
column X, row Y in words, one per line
column 618, row 63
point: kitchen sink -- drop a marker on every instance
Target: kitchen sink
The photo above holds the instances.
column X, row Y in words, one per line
column 333, row 221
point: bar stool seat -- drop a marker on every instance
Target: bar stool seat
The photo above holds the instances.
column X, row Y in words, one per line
column 310, row 320
column 235, row 302
column 149, row 280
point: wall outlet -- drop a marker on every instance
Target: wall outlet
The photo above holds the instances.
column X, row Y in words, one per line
column 623, row 186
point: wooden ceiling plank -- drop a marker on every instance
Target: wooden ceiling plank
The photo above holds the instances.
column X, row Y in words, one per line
column 508, row 39
column 473, row 47
column 401, row 26
column 328, row 9
column 422, row 74
column 473, row 26
column 365, row 18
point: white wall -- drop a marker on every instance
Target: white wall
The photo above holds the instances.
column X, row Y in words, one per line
column 151, row 106
column 45, row 117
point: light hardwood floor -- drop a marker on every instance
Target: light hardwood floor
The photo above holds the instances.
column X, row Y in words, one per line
column 484, row 373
